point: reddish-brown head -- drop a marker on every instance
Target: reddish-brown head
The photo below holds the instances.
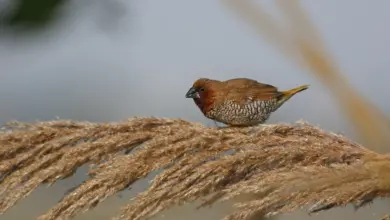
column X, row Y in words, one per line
column 203, row 92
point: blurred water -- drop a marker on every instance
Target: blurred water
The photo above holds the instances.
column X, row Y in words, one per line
column 142, row 63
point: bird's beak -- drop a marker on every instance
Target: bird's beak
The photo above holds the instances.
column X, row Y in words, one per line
column 192, row 93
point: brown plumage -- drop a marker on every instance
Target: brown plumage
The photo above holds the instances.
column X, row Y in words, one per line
column 240, row 101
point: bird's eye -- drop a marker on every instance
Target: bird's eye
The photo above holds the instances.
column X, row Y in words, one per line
column 202, row 89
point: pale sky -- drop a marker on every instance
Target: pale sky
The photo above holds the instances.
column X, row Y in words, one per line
column 144, row 63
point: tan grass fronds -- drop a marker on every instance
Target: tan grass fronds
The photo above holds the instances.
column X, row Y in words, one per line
column 273, row 150
column 196, row 162
column 301, row 42
column 320, row 186
column 35, row 162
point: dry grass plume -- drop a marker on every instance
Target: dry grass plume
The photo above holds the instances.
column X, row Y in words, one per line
column 283, row 166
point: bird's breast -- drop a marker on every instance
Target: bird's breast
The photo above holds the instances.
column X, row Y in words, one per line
column 203, row 105
column 235, row 113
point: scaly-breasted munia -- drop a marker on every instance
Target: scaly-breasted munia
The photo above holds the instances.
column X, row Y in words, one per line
column 240, row 101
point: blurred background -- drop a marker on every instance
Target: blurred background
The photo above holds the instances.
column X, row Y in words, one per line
column 109, row 60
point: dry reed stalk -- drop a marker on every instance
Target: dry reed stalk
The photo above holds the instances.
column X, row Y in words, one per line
column 196, row 163
column 301, row 42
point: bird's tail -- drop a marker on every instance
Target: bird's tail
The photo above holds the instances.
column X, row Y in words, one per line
column 286, row 95
column 289, row 93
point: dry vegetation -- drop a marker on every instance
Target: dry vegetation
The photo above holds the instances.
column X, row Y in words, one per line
column 301, row 42
column 282, row 167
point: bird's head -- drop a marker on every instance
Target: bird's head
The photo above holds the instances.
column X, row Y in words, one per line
column 201, row 92
column 198, row 89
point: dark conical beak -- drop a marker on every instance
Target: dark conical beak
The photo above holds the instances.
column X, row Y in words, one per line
column 192, row 93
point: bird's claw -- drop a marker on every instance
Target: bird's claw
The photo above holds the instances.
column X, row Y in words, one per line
column 216, row 125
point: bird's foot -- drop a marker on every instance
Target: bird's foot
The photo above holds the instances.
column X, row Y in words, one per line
column 216, row 124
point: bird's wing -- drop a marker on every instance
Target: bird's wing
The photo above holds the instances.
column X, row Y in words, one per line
column 243, row 90
column 247, row 83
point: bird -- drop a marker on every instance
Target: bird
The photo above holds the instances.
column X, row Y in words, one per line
column 238, row 101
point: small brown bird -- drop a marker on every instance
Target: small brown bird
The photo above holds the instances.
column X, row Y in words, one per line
column 240, row 101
